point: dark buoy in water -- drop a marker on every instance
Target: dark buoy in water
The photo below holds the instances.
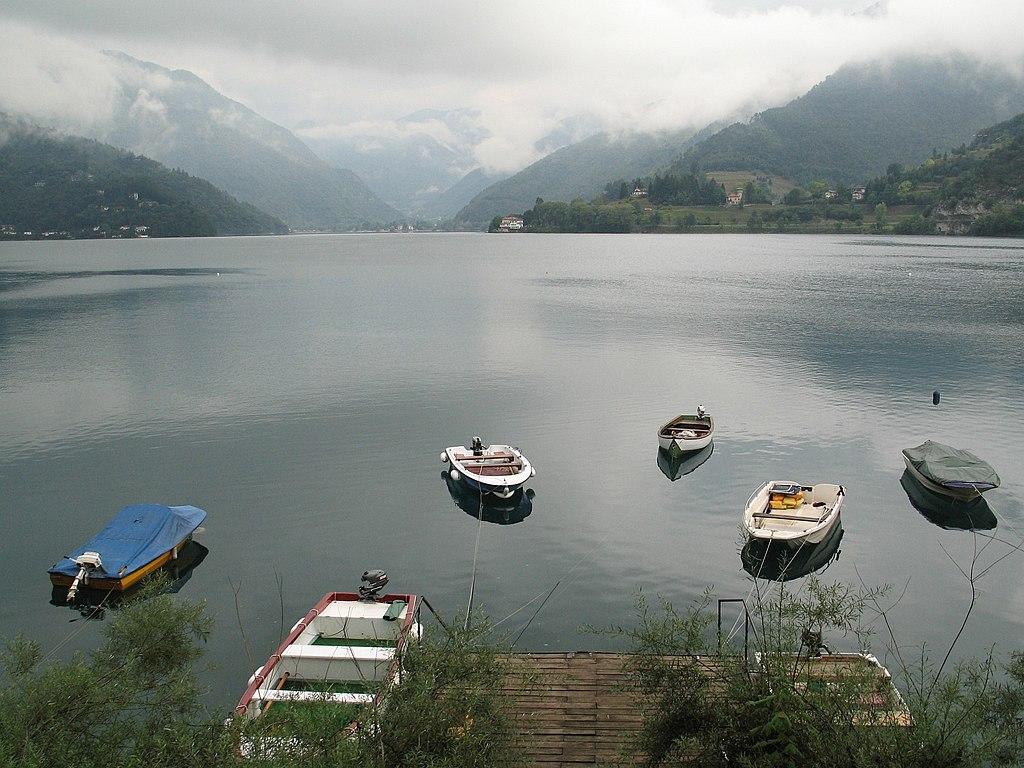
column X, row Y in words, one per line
column 935, row 397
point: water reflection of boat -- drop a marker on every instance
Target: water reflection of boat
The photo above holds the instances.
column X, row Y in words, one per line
column 945, row 512
column 674, row 466
column 779, row 561
column 495, row 510
column 92, row 602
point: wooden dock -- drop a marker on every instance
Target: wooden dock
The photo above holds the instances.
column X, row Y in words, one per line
column 573, row 709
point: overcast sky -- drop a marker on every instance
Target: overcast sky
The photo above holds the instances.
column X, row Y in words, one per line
column 354, row 67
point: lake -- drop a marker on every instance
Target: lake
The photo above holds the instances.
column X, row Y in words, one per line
column 300, row 389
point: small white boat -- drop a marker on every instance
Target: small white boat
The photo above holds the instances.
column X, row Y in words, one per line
column 346, row 652
column 687, row 432
column 786, row 511
column 499, row 470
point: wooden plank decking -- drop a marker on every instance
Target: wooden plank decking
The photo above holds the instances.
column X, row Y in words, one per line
column 572, row 709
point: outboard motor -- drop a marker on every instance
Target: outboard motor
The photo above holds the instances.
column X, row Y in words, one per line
column 701, row 411
column 478, row 446
column 371, row 583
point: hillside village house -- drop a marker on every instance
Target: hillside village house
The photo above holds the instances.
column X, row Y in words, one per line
column 831, row 194
column 734, row 198
column 859, row 193
column 510, row 224
column 638, row 191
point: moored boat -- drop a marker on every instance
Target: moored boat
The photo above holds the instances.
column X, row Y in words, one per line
column 950, row 471
column 874, row 700
column 787, row 511
column 687, row 432
column 346, row 651
column 93, row 603
column 139, row 540
column 500, row 470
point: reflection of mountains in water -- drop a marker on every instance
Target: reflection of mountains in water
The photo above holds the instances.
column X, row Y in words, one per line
column 779, row 561
column 946, row 512
column 92, row 603
column 508, row 511
column 679, row 464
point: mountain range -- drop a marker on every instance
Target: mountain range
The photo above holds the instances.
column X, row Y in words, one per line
column 578, row 170
column 865, row 117
column 846, row 129
column 76, row 187
column 180, row 120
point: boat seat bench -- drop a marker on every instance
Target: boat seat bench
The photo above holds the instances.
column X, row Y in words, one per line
column 339, row 652
column 777, row 516
column 317, row 697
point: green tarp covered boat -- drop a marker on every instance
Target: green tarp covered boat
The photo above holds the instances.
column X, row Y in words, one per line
column 950, row 471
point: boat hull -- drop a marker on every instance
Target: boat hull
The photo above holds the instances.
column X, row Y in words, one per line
column 960, row 494
column 684, row 446
column 127, row 581
column 676, row 444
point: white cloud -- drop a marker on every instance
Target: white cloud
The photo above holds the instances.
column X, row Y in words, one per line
column 351, row 69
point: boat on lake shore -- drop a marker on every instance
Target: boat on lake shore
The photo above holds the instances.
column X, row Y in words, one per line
column 950, row 471
column 346, row 652
column 500, row 470
column 782, row 510
column 139, row 540
column 687, row 432
column 878, row 702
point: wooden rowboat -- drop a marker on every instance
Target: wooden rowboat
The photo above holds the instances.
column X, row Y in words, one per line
column 687, row 432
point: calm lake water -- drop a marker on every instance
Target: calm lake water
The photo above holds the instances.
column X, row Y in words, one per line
column 300, row 390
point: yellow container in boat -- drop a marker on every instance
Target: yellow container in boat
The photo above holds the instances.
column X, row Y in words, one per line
column 782, row 501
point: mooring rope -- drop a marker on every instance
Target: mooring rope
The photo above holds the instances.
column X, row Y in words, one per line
column 476, row 555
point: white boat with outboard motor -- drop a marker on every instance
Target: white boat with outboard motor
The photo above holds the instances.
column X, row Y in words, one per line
column 499, row 470
column 345, row 652
column 687, row 432
column 782, row 510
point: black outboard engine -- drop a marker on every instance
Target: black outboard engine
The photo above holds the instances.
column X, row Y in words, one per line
column 478, row 446
column 371, row 583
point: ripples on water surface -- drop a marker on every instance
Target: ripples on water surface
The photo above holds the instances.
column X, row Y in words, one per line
column 300, row 389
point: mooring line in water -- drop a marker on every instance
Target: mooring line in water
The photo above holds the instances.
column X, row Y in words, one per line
column 476, row 554
column 563, row 578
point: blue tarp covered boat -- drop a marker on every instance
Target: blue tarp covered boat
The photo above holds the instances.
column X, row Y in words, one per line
column 140, row 539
